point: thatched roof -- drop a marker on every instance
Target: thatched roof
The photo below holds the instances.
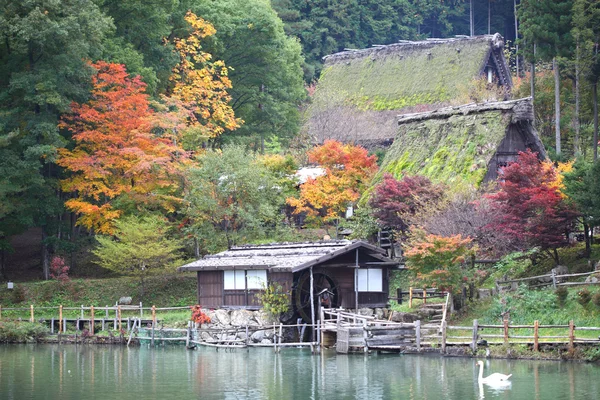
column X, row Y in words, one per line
column 360, row 91
column 291, row 257
column 462, row 144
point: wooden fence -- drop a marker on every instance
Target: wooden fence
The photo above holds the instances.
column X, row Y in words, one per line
column 413, row 293
column 545, row 280
column 502, row 335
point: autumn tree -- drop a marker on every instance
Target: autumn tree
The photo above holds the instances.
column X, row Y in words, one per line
column 201, row 84
column 437, row 260
column 531, row 209
column 395, row 202
column 116, row 157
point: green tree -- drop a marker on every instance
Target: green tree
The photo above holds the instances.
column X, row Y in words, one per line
column 43, row 48
column 582, row 185
column 139, row 246
column 547, row 25
column 266, row 76
column 230, row 194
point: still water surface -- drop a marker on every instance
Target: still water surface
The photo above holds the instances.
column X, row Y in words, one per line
column 114, row 372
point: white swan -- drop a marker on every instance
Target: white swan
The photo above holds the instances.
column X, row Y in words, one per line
column 493, row 379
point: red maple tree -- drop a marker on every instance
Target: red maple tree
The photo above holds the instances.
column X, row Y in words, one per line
column 395, row 201
column 116, row 154
column 531, row 209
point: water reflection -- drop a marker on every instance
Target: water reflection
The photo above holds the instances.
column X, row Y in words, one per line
column 90, row 372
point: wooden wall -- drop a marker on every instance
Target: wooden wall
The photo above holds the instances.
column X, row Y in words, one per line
column 210, row 289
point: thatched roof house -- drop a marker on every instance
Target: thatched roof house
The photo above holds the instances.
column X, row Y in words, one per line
column 465, row 144
column 354, row 274
column 361, row 91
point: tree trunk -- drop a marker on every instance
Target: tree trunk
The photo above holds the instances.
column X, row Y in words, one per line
column 532, row 73
column 196, row 248
column 516, row 34
column 595, row 101
column 489, row 17
column 556, row 258
column 45, row 255
column 576, row 146
column 588, row 244
column 471, row 19
column 556, row 104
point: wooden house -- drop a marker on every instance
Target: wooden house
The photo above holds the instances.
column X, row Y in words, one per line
column 360, row 92
column 341, row 273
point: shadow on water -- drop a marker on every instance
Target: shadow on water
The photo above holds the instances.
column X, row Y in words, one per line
column 90, row 372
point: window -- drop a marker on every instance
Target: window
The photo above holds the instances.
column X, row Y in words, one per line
column 236, row 280
column 369, row 280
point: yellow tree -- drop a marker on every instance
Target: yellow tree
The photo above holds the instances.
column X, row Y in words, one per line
column 200, row 86
column 348, row 169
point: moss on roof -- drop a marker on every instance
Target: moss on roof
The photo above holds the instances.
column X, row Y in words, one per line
column 454, row 150
column 425, row 75
column 405, row 76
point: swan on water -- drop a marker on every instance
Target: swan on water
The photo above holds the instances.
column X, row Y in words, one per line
column 494, row 378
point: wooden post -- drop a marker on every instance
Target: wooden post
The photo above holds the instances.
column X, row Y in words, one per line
column 248, row 339
column 52, row 326
column 365, row 337
column 444, row 333
column 418, row 334
column 554, row 279
column 536, row 335
column 92, row 320
column 424, row 295
column 120, row 319
column 82, row 311
column 60, row 318
column 275, row 332
column 312, row 303
column 141, row 311
column 505, row 331
column 31, row 308
column 281, row 334
column 106, row 311
column 571, row 335
column 153, row 315
column 188, row 332
column 410, row 294
column 399, row 294
column 152, row 338
column 475, row 334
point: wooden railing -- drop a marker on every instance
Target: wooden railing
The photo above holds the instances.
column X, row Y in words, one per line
column 547, row 280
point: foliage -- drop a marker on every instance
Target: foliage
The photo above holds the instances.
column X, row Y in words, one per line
column 531, row 208
column 395, row 202
column 274, row 299
column 59, row 270
column 437, row 260
column 266, row 71
column 561, row 295
column 116, row 155
column 583, row 297
column 19, row 332
column 198, row 316
column 230, row 191
column 348, row 169
column 202, row 84
column 139, row 245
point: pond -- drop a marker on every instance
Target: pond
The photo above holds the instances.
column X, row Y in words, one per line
column 115, row 372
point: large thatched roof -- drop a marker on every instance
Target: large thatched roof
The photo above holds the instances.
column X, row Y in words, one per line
column 361, row 91
column 464, row 144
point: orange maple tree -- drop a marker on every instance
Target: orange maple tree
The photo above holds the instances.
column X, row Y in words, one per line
column 437, row 260
column 116, row 154
column 348, row 169
column 200, row 84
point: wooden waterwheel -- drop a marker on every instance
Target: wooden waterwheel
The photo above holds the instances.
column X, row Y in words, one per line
column 321, row 282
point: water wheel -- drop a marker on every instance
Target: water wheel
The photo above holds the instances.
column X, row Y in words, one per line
column 301, row 295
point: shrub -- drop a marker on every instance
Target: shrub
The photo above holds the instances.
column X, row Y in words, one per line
column 17, row 331
column 561, row 295
column 274, row 299
column 198, row 316
column 583, row 297
column 596, row 299
column 59, row 270
column 18, row 294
